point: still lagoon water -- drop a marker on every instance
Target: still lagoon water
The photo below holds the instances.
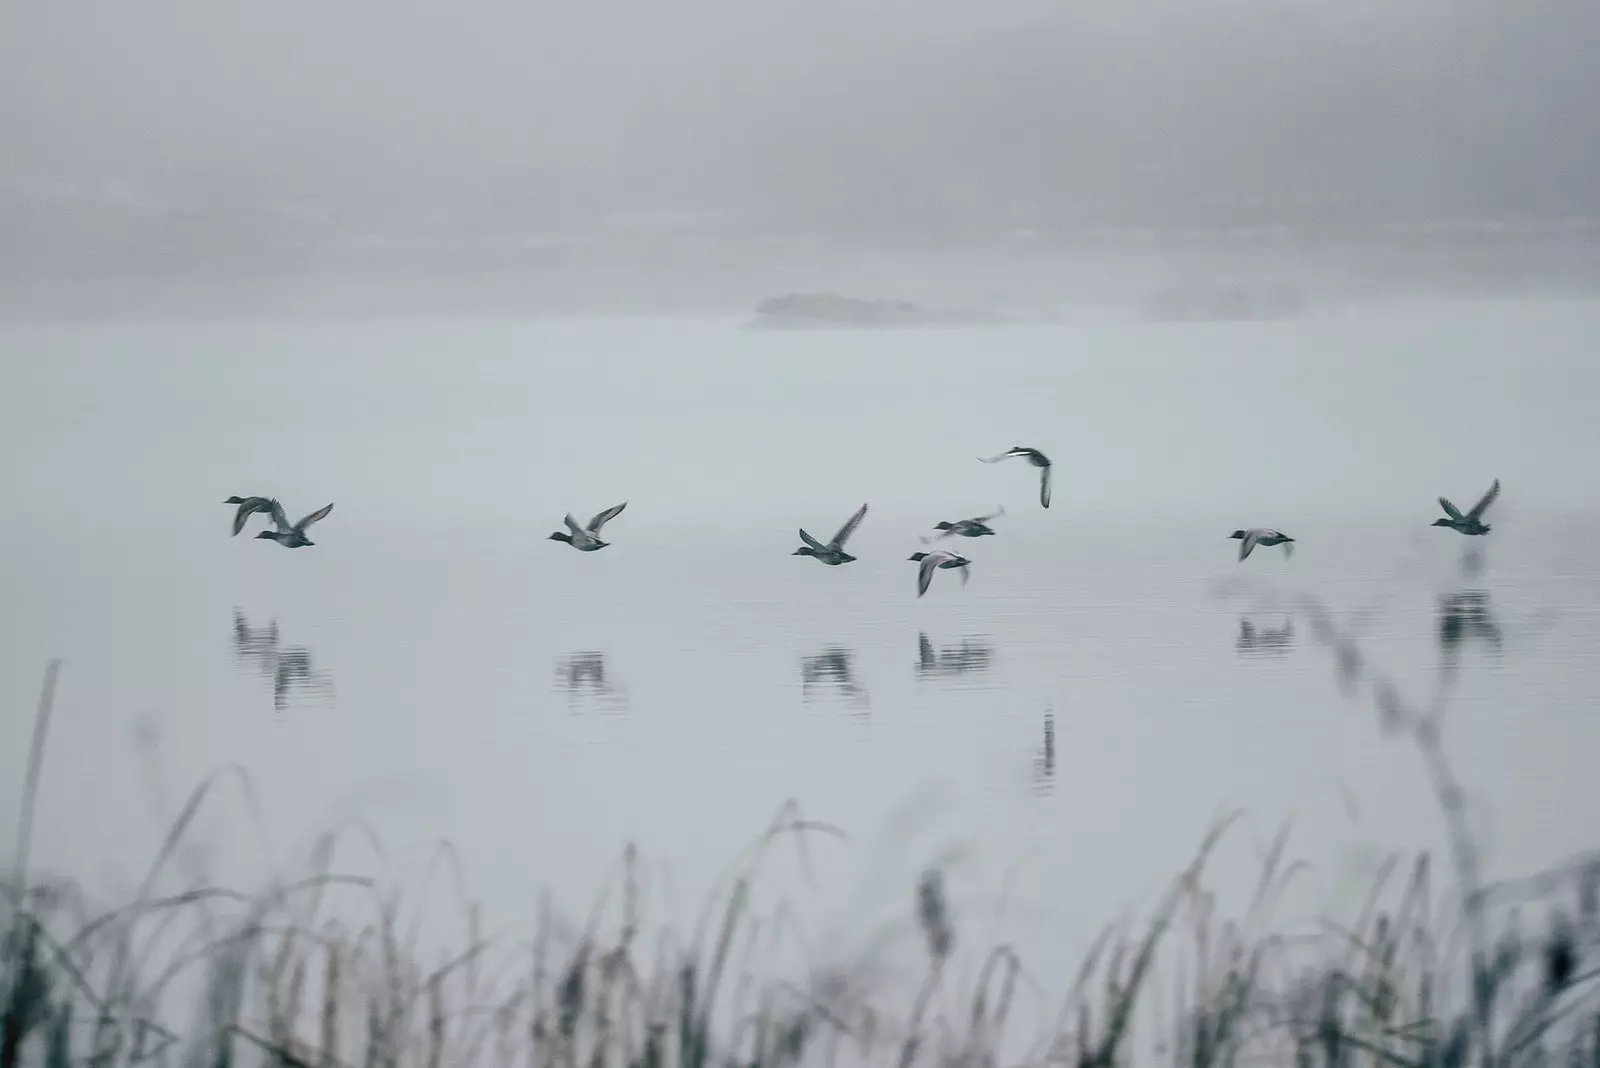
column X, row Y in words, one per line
column 436, row 666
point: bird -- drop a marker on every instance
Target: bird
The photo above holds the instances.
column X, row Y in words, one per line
column 1472, row 522
column 1262, row 536
column 833, row 553
column 937, row 559
column 293, row 537
column 247, row 507
column 1034, row 457
column 587, row 539
column 966, row 528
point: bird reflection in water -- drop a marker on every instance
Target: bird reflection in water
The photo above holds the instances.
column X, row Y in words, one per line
column 583, row 675
column 967, row 658
column 290, row 668
column 1044, row 760
column 1463, row 617
column 255, row 644
column 833, row 672
column 1257, row 640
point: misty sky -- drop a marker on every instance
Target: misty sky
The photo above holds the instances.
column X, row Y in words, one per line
column 824, row 109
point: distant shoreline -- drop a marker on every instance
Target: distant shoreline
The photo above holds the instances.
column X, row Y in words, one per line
column 1176, row 276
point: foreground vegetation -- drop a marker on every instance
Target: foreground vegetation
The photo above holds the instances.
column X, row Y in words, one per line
column 330, row 969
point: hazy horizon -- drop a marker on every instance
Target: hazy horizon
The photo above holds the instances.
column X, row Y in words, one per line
column 199, row 135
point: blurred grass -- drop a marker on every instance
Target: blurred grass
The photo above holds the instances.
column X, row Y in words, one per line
column 328, row 969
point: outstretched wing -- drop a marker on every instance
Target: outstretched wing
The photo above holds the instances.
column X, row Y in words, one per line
column 320, row 513
column 1044, row 485
column 572, row 525
column 849, row 527
column 605, row 517
column 1249, row 542
column 1488, row 499
column 243, row 513
column 986, row 519
column 1449, row 509
column 813, row 542
column 278, row 517
column 925, row 570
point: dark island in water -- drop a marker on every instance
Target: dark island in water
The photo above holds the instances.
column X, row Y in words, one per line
column 803, row 310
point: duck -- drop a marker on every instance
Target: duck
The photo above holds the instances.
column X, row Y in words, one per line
column 966, row 528
column 248, row 506
column 1472, row 522
column 1262, row 536
column 293, row 537
column 1034, row 457
column 935, row 560
column 833, row 553
column 587, row 539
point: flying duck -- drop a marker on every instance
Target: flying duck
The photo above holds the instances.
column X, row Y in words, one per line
column 934, row 560
column 293, row 537
column 587, row 539
column 1034, row 457
column 247, row 507
column 1262, row 536
column 1472, row 522
column 966, row 528
column 833, row 553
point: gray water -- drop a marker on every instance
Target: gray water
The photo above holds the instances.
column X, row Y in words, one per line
column 448, row 672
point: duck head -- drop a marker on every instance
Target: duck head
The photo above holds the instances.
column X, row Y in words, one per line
column 234, row 500
column 560, row 535
column 804, row 550
column 1237, row 534
column 947, row 525
column 1443, row 523
column 916, row 556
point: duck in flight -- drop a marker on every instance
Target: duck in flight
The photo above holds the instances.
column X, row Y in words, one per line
column 931, row 562
column 587, row 539
column 1034, row 457
column 1262, row 536
column 248, row 506
column 833, row 553
column 293, row 537
column 966, row 528
column 1472, row 522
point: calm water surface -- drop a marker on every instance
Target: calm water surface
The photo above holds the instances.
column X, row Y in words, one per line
column 437, row 666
